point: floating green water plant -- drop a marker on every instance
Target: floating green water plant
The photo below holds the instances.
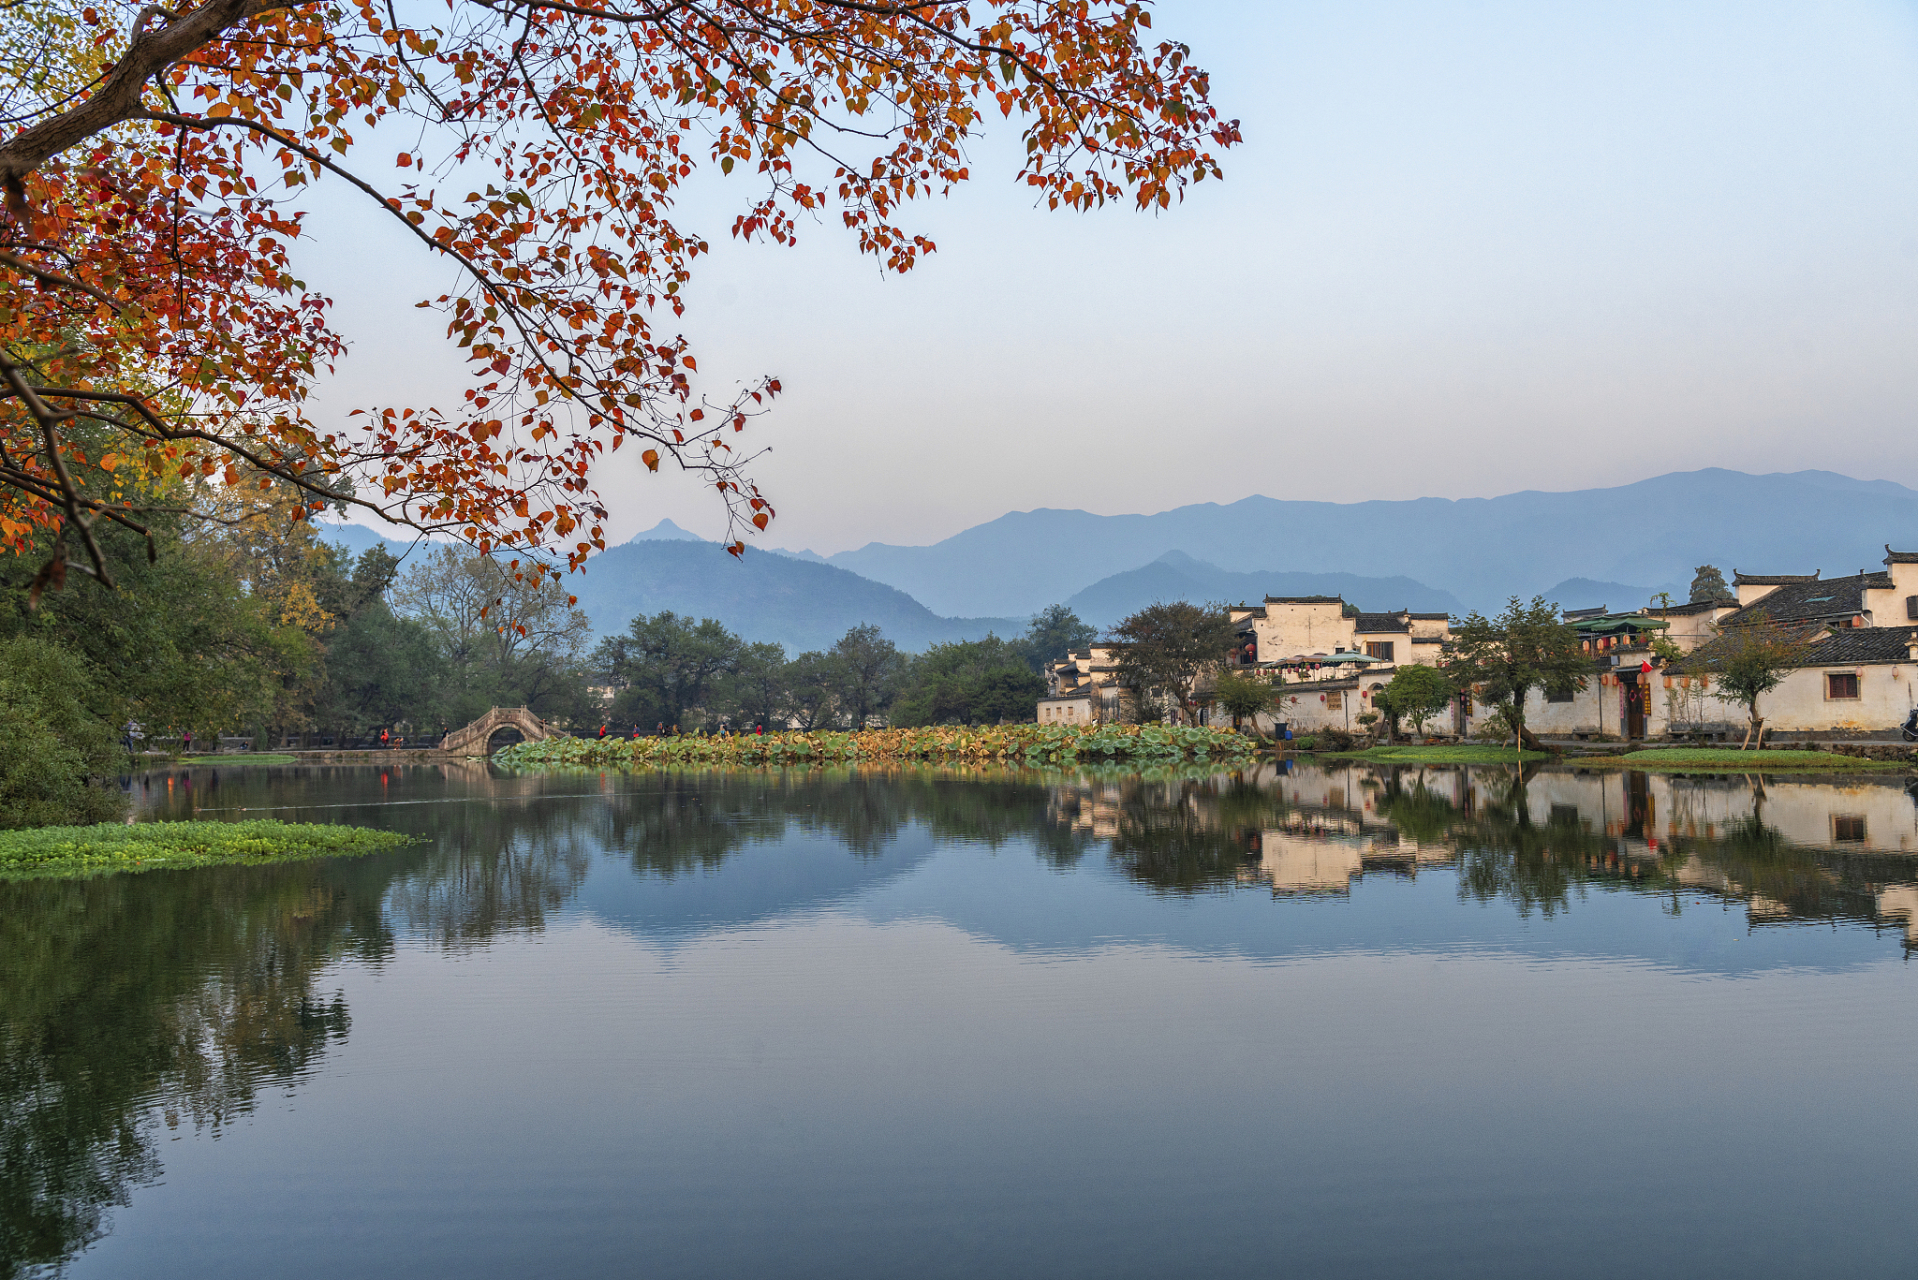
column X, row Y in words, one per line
column 150, row 846
column 1029, row 744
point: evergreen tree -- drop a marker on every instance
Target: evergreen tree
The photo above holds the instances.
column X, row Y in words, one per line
column 1709, row 586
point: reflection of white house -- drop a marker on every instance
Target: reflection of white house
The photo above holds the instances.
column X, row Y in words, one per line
column 1900, row 902
column 1294, row 864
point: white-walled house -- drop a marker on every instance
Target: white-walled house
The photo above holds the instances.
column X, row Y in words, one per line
column 1860, row 673
column 1314, row 643
column 1080, row 688
column 1330, row 657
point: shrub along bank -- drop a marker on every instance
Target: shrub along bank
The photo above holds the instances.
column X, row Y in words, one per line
column 1019, row 743
column 151, row 846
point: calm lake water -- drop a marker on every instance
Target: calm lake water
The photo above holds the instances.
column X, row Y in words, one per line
column 1316, row 1023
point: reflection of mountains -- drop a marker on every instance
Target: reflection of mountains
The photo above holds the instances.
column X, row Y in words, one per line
column 719, row 849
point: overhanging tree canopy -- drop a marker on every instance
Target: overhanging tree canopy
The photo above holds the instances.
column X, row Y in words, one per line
column 151, row 327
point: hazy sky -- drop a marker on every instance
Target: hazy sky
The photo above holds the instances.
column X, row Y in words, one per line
column 1467, row 248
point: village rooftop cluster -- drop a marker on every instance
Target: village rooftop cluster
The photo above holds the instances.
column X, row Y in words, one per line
column 1853, row 673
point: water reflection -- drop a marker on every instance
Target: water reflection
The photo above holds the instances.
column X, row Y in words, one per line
column 132, row 1003
column 135, row 1005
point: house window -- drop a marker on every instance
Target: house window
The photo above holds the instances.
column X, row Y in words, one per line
column 1848, row 829
column 1565, row 695
column 1335, row 701
column 1841, row 685
column 1379, row 649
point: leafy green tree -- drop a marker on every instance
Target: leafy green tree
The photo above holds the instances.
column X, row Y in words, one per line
column 382, row 669
column 507, row 639
column 809, row 690
column 1504, row 658
column 969, row 682
column 183, row 643
column 1418, row 693
column 1748, row 661
column 866, row 670
column 757, row 691
column 1709, row 586
column 669, row 668
column 1165, row 648
column 1243, row 696
column 54, row 750
column 1052, row 633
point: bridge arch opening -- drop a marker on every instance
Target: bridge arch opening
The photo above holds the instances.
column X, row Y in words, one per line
column 504, row 736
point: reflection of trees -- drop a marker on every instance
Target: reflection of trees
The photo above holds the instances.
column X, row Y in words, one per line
column 1502, row 853
column 1176, row 834
column 682, row 822
column 176, row 997
column 193, row 988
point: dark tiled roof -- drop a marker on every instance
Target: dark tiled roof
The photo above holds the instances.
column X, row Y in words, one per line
column 1861, row 644
column 1771, row 579
column 1698, row 606
column 1305, row 599
column 1900, row 557
column 1842, row 646
column 1372, row 623
column 1809, row 599
column 1430, row 617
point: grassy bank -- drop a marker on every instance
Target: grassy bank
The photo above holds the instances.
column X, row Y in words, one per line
column 1731, row 760
column 1460, row 754
column 151, row 846
column 1027, row 744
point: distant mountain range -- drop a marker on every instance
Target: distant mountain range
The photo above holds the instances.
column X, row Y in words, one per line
column 1481, row 550
column 1615, row 547
column 760, row 596
column 1178, row 576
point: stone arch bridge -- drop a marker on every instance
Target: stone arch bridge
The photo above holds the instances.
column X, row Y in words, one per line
column 473, row 739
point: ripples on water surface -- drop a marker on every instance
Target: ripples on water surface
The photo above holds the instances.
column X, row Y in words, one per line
column 1352, row 1022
